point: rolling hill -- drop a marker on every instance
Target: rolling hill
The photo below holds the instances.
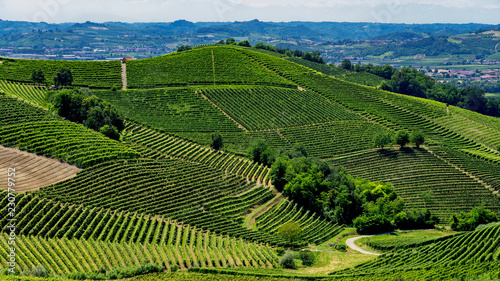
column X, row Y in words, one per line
column 161, row 195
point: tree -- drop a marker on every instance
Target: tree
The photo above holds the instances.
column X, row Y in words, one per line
column 346, row 64
column 288, row 261
column 216, row 141
column 38, row 77
column 230, row 41
column 110, row 132
column 244, row 44
column 382, row 140
column 418, row 138
column 402, row 138
column 183, row 48
column 373, row 224
column 63, row 77
column 469, row 221
column 290, row 232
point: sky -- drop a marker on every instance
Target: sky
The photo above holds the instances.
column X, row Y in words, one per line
column 382, row 11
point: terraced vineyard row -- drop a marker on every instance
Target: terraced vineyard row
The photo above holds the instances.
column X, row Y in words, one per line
column 184, row 191
column 45, row 218
column 94, row 74
column 161, row 146
column 413, row 172
column 238, row 142
column 471, row 129
column 270, row 107
column 315, row 228
column 484, row 170
column 477, row 248
column 333, row 138
column 64, row 256
column 402, row 111
column 64, row 140
column 203, row 66
column 28, row 93
column 170, row 110
column 15, row 111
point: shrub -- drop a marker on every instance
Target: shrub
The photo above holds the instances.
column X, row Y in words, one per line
column 287, row 261
column 341, row 247
column 415, row 219
column 290, row 231
column 174, row 267
column 417, row 138
column 469, row 221
column 308, row 258
column 110, row 132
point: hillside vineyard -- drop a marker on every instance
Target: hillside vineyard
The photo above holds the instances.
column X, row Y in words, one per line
column 161, row 193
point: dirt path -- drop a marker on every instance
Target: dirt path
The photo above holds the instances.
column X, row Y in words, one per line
column 124, row 76
column 350, row 244
column 223, row 112
column 275, row 201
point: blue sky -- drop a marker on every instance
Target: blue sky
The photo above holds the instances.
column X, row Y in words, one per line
column 391, row 11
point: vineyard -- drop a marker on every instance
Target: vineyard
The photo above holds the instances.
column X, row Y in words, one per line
column 163, row 193
column 85, row 73
column 414, row 172
column 203, row 66
column 478, row 250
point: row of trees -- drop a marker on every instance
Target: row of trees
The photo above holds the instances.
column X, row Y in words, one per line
column 402, row 138
column 63, row 77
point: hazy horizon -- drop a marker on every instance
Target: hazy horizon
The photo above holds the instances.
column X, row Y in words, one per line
column 398, row 11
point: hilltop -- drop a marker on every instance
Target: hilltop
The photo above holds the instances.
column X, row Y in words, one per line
column 164, row 193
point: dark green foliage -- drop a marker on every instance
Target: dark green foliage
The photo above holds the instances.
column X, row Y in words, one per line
column 87, row 109
column 402, row 138
column 38, row 77
column 308, row 258
column 230, row 41
column 415, row 219
column 183, row 48
column 418, row 138
column 346, row 64
column 382, row 140
column 244, row 44
column 259, row 152
column 216, row 141
column 39, row 271
column 63, row 77
column 469, row 221
column 341, row 247
column 373, row 224
column 288, row 261
column 110, row 132
column 290, row 232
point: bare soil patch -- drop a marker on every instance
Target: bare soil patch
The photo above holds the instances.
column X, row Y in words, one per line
column 32, row 171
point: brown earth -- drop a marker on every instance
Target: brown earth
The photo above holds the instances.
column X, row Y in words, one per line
column 32, row 171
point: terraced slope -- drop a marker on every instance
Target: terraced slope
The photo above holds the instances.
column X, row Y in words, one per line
column 15, row 111
column 413, row 172
column 479, row 250
column 26, row 92
column 156, row 145
column 270, row 107
column 32, row 171
column 202, row 66
column 64, row 256
column 185, row 191
column 85, row 73
column 171, row 110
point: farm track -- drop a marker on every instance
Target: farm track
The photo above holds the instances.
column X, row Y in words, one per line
column 124, row 76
